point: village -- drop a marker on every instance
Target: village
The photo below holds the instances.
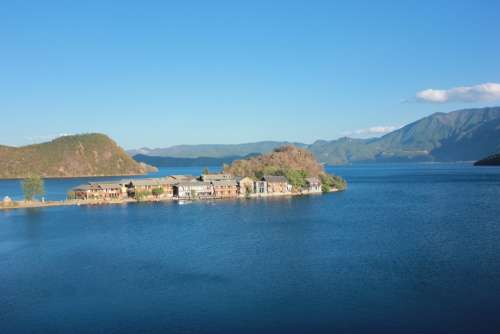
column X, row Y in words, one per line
column 187, row 187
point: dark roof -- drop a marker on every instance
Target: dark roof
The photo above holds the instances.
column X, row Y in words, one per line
column 274, row 179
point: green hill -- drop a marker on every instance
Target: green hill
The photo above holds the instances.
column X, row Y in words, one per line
column 69, row 156
column 462, row 135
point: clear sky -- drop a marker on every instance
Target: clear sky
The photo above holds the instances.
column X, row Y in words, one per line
column 159, row 73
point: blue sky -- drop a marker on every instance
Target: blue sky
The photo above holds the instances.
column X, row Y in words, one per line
column 159, row 73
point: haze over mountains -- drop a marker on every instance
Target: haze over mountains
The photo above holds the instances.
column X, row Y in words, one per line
column 462, row 135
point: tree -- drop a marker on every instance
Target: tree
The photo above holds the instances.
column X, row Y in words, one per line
column 32, row 186
column 141, row 195
column 297, row 178
column 157, row 192
column 205, row 171
column 329, row 181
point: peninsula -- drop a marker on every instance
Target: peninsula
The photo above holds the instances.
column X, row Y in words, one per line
column 287, row 171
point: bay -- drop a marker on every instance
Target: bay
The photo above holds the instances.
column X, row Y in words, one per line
column 407, row 248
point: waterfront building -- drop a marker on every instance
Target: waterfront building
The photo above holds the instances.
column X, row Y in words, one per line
column 216, row 177
column 313, row 184
column 225, row 188
column 245, row 185
column 276, row 184
column 193, row 189
column 98, row 191
column 260, row 187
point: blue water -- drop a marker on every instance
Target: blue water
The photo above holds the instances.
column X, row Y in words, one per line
column 408, row 248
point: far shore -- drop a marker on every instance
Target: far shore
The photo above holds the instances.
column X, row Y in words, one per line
column 77, row 177
column 90, row 202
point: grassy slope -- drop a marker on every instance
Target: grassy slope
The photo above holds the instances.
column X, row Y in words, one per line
column 69, row 156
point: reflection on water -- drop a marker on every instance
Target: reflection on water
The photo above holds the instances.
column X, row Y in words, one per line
column 408, row 248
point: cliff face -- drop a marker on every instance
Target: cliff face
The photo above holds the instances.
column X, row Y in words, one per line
column 281, row 159
column 69, row 156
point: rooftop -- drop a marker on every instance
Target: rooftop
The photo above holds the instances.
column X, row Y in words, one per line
column 274, row 178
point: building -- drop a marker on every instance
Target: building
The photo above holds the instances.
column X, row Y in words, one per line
column 260, row 187
column 276, row 184
column 225, row 188
column 182, row 178
column 193, row 189
column 245, row 185
column 143, row 186
column 216, row 177
column 99, row 191
column 167, row 183
column 313, row 184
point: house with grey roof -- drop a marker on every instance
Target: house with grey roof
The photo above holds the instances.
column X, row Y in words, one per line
column 225, row 188
column 277, row 184
column 192, row 189
column 216, row 177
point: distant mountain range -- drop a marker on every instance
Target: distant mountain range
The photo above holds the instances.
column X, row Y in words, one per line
column 213, row 150
column 69, row 156
column 462, row 135
column 188, row 162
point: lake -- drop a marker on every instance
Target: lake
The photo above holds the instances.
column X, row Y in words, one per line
column 410, row 248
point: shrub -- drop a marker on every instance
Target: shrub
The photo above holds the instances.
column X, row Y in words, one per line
column 157, row 192
column 297, row 178
column 329, row 181
column 141, row 195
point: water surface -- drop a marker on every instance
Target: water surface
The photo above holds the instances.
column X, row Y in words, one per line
column 408, row 248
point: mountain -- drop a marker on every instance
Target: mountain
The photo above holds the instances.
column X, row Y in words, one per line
column 69, row 156
column 462, row 135
column 213, row 150
column 492, row 160
column 187, row 162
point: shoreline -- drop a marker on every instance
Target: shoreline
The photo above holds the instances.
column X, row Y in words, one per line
column 76, row 177
column 79, row 202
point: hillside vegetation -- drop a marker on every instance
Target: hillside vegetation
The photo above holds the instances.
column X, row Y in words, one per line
column 69, row 156
column 462, row 135
column 296, row 164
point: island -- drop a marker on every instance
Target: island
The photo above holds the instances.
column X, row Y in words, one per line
column 287, row 171
column 492, row 160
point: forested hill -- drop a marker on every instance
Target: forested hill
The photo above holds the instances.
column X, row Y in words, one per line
column 69, row 156
column 462, row 135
